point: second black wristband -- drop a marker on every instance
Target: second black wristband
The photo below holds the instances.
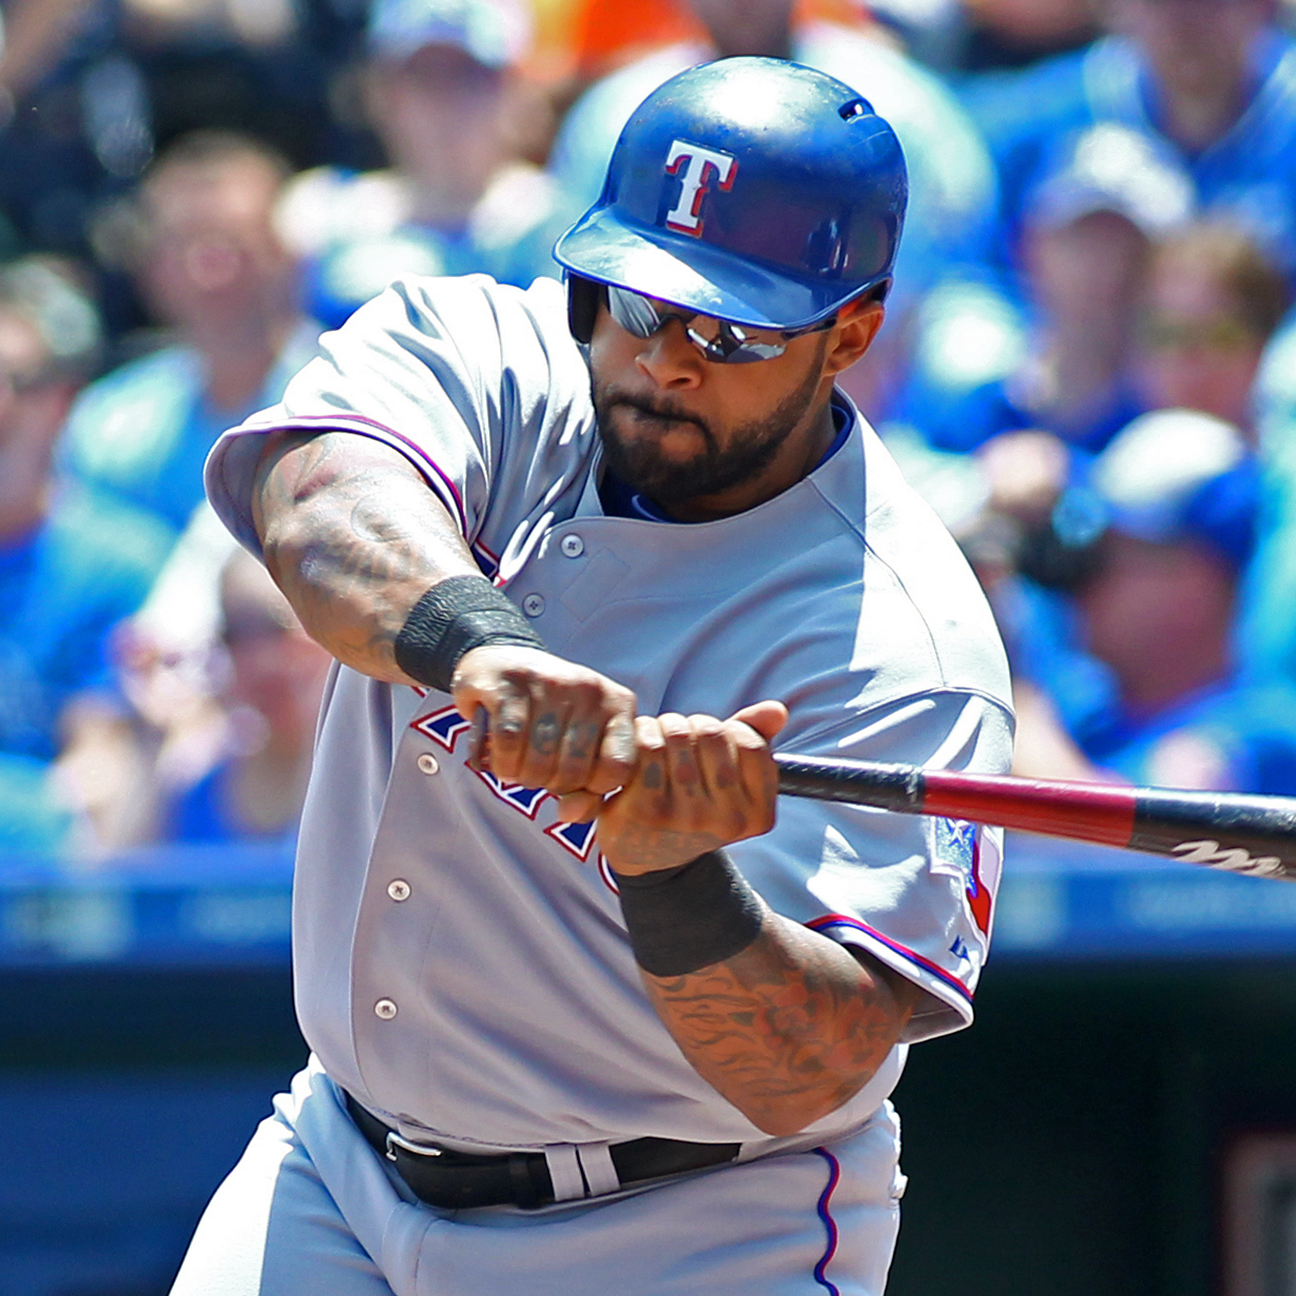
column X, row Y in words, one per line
column 686, row 918
column 452, row 618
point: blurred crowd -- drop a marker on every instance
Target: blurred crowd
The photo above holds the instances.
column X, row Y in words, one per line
column 1088, row 368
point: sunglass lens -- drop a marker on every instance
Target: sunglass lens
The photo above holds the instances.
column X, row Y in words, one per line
column 634, row 313
column 718, row 340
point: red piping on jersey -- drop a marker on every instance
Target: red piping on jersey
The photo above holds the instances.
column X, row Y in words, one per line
column 842, row 920
column 824, row 1207
column 340, row 422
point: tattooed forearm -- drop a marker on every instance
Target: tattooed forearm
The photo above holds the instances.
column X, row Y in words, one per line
column 354, row 537
column 789, row 1029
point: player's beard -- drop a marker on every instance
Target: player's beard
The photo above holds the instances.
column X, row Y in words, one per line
column 639, row 463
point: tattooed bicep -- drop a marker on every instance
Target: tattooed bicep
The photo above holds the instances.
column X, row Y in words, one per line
column 300, row 470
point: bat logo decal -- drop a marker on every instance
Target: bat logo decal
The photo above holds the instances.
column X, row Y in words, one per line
column 1235, row 860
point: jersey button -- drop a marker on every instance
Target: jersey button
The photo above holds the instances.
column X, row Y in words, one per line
column 533, row 605
column 385, row 1009
column 398, row 889
column 428, row 763
column 572, row 546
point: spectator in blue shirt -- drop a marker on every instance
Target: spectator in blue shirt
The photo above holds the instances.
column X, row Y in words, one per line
column 445, row 99
column 215, row 271
column 73, row 563
column 1158, row 608
column 1212, row 82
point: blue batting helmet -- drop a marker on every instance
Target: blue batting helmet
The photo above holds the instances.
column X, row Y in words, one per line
column 749, row 189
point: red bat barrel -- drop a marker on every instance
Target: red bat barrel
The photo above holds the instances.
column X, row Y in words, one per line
column 1232, row 831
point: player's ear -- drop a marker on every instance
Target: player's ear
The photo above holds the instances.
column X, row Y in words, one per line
column 857, row 325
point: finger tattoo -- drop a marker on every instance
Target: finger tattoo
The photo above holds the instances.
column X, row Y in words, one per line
column 544, row 734
column 582, row 740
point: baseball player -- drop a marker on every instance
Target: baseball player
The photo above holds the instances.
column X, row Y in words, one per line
column 588, row 1011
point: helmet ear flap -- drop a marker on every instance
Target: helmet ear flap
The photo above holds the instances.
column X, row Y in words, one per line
column 583, row 299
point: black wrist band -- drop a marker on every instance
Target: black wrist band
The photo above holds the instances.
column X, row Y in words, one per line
column 452, row 618
column 687, row 918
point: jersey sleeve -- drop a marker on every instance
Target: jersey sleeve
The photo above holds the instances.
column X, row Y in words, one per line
column 478, row 384
column 914, row 891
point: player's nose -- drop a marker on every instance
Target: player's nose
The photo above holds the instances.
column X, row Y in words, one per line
column 670, row 359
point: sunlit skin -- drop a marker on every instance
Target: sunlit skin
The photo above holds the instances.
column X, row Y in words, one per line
column 667, row 369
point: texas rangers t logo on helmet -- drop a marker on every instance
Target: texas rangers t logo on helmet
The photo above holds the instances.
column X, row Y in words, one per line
column 700, row 166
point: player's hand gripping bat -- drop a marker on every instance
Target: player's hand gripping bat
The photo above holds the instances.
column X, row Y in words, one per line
column 1231, row 831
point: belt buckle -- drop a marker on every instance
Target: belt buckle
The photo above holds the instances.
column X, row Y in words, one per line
column 394, row 1140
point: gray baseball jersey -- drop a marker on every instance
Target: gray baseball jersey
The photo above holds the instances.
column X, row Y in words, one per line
column 461, row 962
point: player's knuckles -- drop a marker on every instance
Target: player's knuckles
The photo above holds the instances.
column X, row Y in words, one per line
column 519, row 679
column 648, row 731
column 618, row 700
column 744, row 737
column 674, row 727
column 705, row 727
column 584, row 695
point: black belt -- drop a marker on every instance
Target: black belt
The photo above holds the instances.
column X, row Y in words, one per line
column 458, row 1180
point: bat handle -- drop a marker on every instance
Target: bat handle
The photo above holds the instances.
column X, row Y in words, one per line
column 886, row 787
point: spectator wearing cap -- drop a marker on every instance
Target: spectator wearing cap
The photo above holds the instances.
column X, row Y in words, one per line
column 1085, row 247
column 1210, row 82
column 444, row 97
column 73, row 562
column 1176, row 493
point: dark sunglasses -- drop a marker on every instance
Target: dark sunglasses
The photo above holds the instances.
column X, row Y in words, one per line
column 720, row 341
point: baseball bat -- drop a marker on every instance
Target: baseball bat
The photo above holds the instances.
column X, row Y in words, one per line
column 1236, row 832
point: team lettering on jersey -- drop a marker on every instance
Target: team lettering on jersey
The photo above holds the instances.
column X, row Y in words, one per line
column 697, row 168
column 446, row 726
